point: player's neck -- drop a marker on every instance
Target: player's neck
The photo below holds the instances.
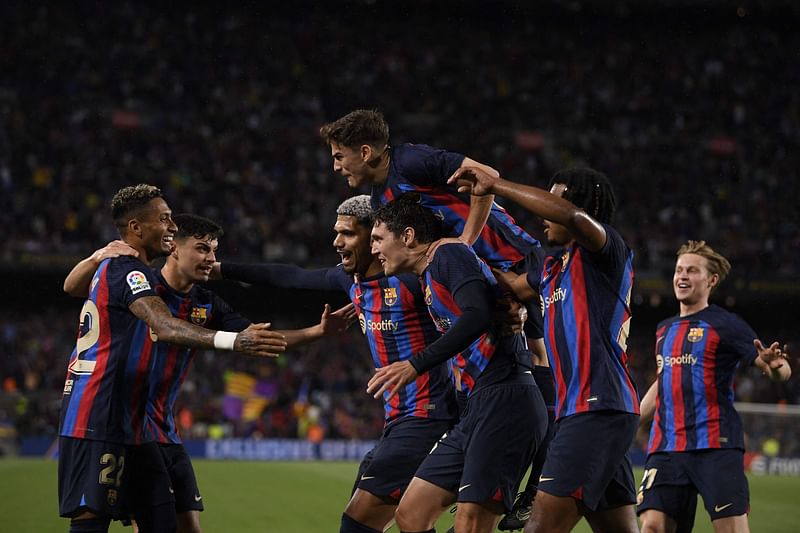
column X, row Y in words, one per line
column 692, row 308
column 381, row 172
column 174, row 278
column 420, row 263
column 374, row 269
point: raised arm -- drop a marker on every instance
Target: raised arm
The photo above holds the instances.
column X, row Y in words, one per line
column 257, row 339
column 80, row 277
column 480, row 207
column 587, row 232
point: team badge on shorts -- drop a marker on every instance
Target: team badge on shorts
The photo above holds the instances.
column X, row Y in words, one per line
column 695, row 334
column 137, row 282
column 390, row 296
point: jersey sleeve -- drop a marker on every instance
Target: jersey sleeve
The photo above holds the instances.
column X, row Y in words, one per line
column 129, row 279
column 741, row 337
column 288, row 276
column 453, row 265
column 425, row 165
column 225, row 318
column 614, row 254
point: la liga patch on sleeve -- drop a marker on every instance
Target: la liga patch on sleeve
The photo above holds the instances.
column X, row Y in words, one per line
column 137, row 281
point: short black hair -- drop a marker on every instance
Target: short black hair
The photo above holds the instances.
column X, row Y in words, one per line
column 359, row 127
column 129, row 201
column 405, row 211
column 190, row 225
column 588, row 189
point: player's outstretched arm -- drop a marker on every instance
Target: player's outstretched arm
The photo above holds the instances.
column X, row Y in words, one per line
column 331, row 323
column 276, row 275
column 773, row 360
column 257, row 339
column 587, row 232
column 80, row 277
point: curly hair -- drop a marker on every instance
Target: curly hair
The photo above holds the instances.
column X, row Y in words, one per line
column 588, row 189
column 359, row 207
column 130, row 200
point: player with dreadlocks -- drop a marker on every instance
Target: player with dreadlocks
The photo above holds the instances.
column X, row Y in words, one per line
column 585, row 288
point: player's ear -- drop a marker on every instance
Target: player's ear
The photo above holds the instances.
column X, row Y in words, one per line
column 134, row 227
column 409, row 235
column 713, row 281
column 366, row 152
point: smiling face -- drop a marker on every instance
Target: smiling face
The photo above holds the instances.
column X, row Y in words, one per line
column 352, row 243
column 194, row 257
column 157, row 228
column 391, row 251
column 692, row 282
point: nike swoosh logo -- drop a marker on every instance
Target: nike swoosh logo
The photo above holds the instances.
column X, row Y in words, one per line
column 464, row 487
column 198, row 498
column 364, row 478
column 542, row 478
column 718, row 508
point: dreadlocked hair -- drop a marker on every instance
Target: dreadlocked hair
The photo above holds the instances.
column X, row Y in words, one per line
column 405, row 211
column 588, row 189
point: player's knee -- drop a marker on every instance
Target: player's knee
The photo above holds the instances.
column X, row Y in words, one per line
column 409, row 519
column 89, row 525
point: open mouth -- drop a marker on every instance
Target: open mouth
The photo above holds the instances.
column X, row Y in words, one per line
column 347, row 257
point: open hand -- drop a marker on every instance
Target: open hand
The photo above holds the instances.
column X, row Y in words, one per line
column 260, row 341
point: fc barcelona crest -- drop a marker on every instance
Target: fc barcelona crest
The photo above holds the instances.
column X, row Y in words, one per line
column 428, row 296
column 695, row 334
column 199, row 315
column 390, row 296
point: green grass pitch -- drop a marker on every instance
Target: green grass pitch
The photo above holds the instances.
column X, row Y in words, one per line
column 300, row 497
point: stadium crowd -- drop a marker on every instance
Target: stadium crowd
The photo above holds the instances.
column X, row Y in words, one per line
column 221, row 110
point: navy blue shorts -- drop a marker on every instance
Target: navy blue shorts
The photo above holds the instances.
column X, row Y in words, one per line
column 388, row 468
column 91, row 476
column 588, row 459
column 149, row 483
column 672, row 481
column 486, row 454
column 181, row 475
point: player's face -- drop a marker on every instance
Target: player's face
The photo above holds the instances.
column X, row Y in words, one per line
column 195, row 257
column 158, row 229
column 692, row 281
column 352, row 244
column 352, row 164
column 556, row 234
column 391, row 251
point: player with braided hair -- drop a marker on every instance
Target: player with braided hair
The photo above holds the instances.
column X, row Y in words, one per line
column 585, row 288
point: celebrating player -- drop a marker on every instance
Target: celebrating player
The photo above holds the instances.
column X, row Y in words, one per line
column 586, row 290
column 696, row 442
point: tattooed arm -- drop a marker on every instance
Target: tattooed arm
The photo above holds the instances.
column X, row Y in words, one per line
column 256, row 340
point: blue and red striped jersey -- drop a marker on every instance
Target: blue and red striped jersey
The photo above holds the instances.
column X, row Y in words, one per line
column 171, row 362
column 392, row 315
column 586, row 299
column 105, row 391
column 696, row 357
column 452, row 266
column 422, row 169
